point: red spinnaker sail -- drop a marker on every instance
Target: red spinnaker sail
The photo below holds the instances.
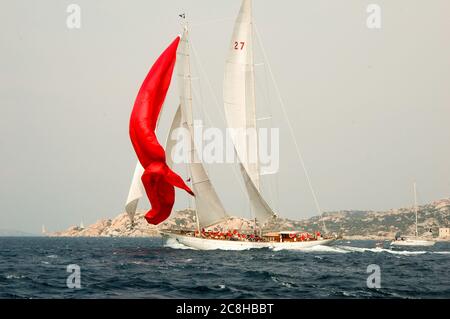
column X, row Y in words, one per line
column 158, row 179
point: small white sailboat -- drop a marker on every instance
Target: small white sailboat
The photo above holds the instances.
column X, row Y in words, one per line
column 240, row 111
column 415, row 241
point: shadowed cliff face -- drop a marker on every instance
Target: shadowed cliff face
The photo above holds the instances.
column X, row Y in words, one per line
column 365, row 224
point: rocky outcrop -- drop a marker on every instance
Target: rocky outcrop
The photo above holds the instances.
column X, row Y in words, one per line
column 121, row 226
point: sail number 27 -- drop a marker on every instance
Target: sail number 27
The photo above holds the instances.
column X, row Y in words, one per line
column 239, row 45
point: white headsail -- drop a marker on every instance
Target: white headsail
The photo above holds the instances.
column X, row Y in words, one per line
column 136, row 191
column 240, row 107
column 208, row 205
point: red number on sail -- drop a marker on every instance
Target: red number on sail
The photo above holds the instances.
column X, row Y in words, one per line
column 236, row 45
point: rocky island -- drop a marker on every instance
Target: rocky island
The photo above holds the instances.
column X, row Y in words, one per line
column 349, row 224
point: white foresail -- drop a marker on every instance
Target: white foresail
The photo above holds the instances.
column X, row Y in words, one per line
column 208, row 205
column 240, row 107
column 261, row 209
column 136, row 191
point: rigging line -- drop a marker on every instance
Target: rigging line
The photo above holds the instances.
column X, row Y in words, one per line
column 269, row 103
column 216, row 102
column 266, row 183
column 196, row 93
column 211, row 21
column 208, row 82
column 291, row 130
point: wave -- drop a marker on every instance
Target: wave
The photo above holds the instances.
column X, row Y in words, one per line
column 14, row 276
column 174, row 244
column 326, row 249
column 390, row 251
column 315, row 249
column 282, row 283
column 341, row 249
column 338, row 249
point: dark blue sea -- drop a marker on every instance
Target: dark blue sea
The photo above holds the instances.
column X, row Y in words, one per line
column 148, row 268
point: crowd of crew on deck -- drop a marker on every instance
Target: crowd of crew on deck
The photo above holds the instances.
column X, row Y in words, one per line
column 236, row 235
column 227, row 235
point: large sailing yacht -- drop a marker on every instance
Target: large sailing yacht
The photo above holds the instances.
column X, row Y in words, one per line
column 419, row 241
column 240, row 111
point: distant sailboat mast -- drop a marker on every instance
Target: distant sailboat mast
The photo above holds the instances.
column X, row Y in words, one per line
column 415, row 240
column 416, row 207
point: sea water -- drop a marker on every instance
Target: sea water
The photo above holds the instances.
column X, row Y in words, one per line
column 150, row 268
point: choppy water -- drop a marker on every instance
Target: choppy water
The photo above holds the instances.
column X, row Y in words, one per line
column 146, row 268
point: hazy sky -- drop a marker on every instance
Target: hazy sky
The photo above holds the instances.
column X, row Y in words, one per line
column 370, row 108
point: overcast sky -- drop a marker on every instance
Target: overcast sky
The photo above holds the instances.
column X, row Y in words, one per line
column 370, row 107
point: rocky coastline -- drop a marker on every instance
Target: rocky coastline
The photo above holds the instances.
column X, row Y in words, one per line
column 356, row 225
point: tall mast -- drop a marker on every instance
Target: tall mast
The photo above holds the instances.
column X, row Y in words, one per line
column 188, row 74
column 252, row 113
column 207, row 204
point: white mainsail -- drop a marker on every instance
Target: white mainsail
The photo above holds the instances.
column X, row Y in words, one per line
column 209, row 208
column 171, row 141
column 239, row 91
column 240, row 107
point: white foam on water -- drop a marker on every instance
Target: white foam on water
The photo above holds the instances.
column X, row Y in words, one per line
column 325, row 249
column 174, row 244
column 441, row 252
column 315, row 249
column 52, row 256
column 360, row 249
column 14, row 276
column 382, row 250
column 136, row 262
column 283, row 283
column 405, row 252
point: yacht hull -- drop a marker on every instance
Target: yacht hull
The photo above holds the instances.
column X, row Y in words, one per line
column 214, row 244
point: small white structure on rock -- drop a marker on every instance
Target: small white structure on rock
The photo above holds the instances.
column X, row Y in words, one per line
column 444, row 233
